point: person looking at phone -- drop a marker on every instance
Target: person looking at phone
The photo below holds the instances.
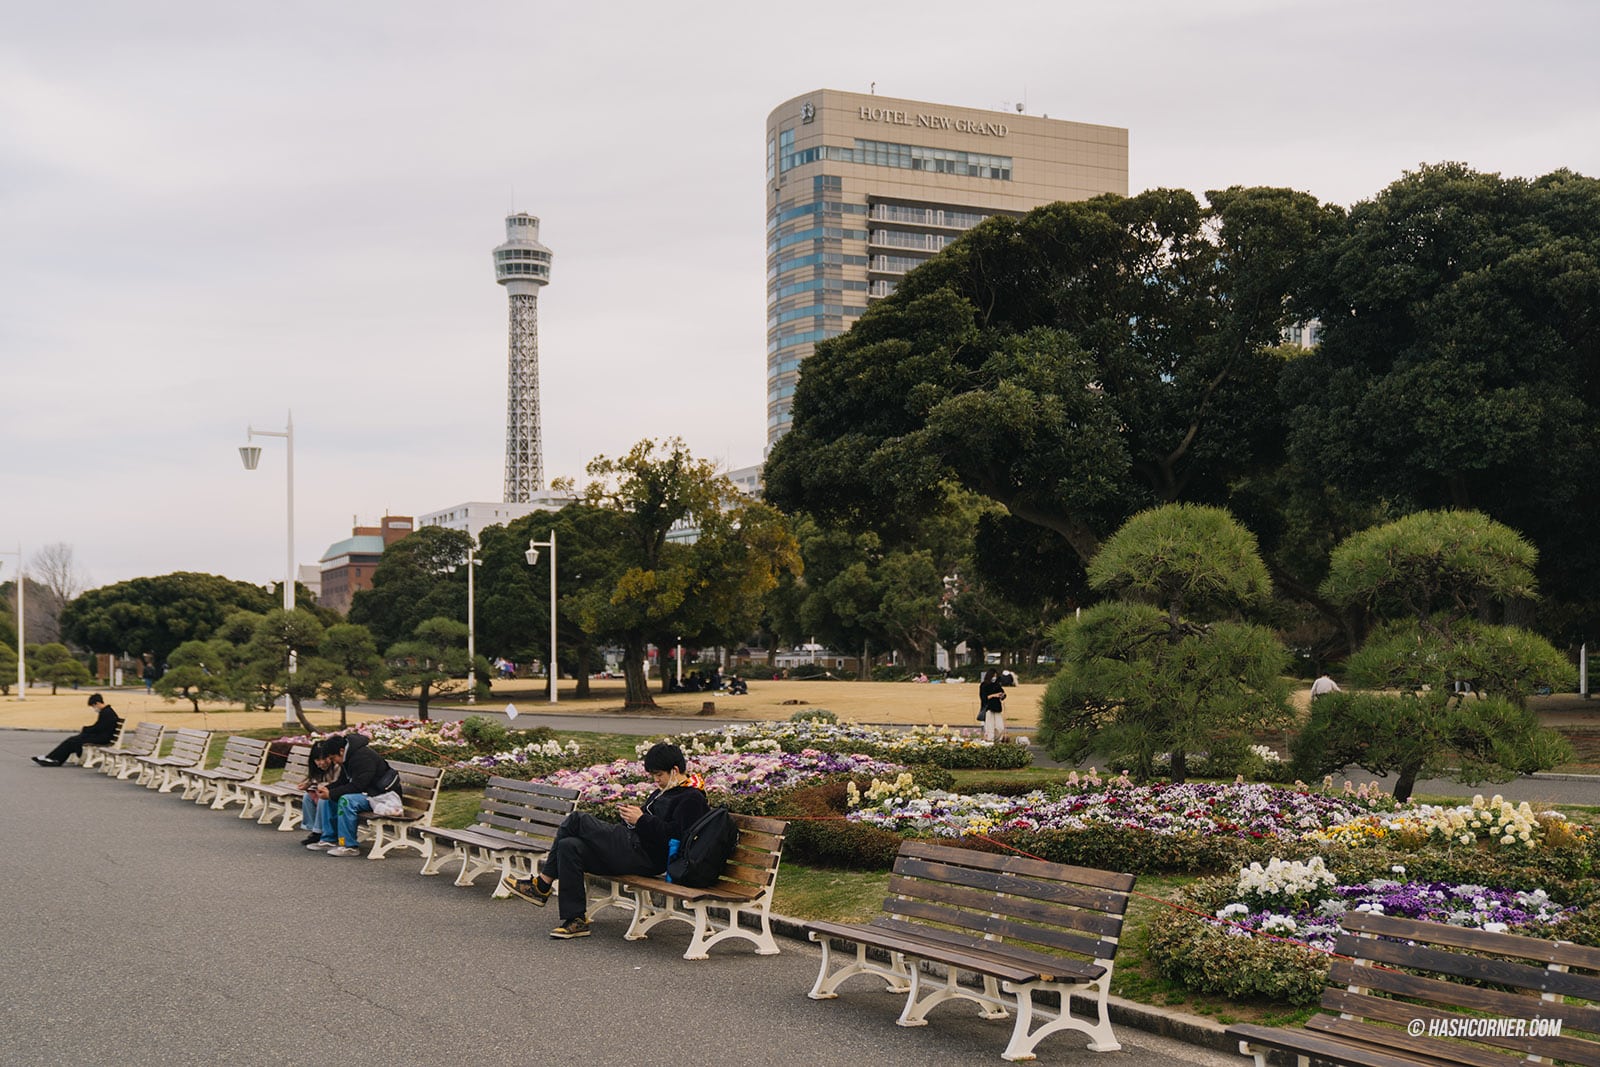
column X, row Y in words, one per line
column 358, row 775
column 639, row 844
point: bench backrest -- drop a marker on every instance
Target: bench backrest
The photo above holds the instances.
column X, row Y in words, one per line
column 244, row 755
column 189, row 746
column 755, row 858
column 528, row 809
column 1516, row 965
column 296, row 765
column 145, row 740
column 419, row 789
column 1035, row 905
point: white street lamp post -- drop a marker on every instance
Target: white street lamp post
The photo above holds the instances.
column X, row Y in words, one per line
column 251, row 455
column 532, row 557
column 22, row 639
column 473, row 563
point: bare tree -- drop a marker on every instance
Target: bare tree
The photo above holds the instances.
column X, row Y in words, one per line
column 54, row 578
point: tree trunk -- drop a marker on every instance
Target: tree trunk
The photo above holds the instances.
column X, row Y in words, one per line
column 299, row 713
column 1407, row 781
column 633, row 675
column 1180, row 766
column 422, row 701
column 585, row 656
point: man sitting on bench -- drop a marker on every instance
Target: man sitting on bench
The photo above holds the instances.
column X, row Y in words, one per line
column 99, row 732
column 637, row 845
column 359, row 774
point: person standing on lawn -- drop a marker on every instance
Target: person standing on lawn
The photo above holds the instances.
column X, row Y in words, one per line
column 639, row 844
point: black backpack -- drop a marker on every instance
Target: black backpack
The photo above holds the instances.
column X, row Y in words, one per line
column 704, row 850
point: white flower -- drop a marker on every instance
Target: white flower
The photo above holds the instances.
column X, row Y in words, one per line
column 1495, row 928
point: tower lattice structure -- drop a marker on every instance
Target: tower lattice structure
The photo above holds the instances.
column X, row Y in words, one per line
column 522, row 265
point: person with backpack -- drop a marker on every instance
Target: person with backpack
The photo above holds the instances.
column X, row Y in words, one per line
column 639, row 844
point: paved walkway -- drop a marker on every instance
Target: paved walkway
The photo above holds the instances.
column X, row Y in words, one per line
column 143, row 930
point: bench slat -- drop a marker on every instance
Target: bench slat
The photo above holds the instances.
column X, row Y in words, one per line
column 1327, row 1047
column 1530, row 948
column 1036, row 961
column 1399, row 1013
column 999, row 926
column 963, row 895
column 1438, row 991
column 1021, row 865
column 1501, row 972
column 914, row 944
column 1056, row 892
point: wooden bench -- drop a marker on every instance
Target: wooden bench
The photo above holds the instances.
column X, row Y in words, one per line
column 164, row 773
column 1021, row 925
column 419, row 792
column 120, row 762
column 280, row 800
column 745, row 888
column 243, row 760
column 94, row 754
column 1404, row 999
column 516, row 825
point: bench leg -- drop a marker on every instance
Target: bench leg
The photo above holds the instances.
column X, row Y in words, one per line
column 1101, row 1039
column 826, row 986
column 611, row 897
column 171, row 780
column 434, row 858
column 227, row 793
column 917, row 1006
column 481, row 861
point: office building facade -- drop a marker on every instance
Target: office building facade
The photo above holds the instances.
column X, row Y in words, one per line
column 863, row 188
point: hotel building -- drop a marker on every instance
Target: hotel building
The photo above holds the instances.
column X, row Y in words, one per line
column 862, row 188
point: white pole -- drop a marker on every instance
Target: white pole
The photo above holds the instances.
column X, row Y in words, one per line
column 288, row 574
column 22, row 637
column 1583, row 669
column 472, row 645
column 678, row 657
column 555, row 675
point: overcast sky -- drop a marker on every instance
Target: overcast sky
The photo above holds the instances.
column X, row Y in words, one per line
column 212, row 212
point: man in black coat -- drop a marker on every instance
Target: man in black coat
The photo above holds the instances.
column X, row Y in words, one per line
column 100, row 732
column 359, row 774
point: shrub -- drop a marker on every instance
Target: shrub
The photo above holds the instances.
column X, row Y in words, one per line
column 485, row 735
column 820, row 835
column 814, row 715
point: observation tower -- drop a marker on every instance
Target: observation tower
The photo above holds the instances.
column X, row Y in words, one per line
column 522, row 265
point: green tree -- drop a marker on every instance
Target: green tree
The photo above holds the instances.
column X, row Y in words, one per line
column 420, row 577
column 711, row 588
column 1460, row 366
column 432, row 662
column 55, row 663
column 1145, row 675
column 1075, row 365
column 278, row 639
column 8, row 668
column 351, row 667
column 156, row 615
column 196, row 671
column 514, row 598
column 1446, row 691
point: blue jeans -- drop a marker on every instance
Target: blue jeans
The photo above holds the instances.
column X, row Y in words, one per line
column 345, row 810
column 314, row 813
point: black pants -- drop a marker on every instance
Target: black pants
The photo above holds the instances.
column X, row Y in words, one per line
column 73, row 746
column 587, row 845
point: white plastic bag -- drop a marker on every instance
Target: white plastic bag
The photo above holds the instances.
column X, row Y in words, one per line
column 387, row 804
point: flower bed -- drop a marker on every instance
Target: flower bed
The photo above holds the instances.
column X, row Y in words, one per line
column 734, row 774
column 524, row 762
column 943, row 747
column 1493, row 824
column 412, row 740
column 1216, row 948
column 1237, row 810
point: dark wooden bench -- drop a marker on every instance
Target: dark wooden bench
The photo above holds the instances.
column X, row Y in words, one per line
column 280, row 800
column 121, row 762
column 243, row 760
column 516, row 825
column 164, row 773
column 745, row 888
column 419, row 792
column 94, row 754
column 1021, row 925
column 1418, row 992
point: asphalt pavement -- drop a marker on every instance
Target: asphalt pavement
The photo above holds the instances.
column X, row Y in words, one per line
column 144, row 930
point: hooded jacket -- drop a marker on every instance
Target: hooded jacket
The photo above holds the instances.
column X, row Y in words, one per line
column 363, row 771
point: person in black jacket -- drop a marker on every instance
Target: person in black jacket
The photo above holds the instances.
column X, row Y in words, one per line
column 638, row 845
column 359, row 774
column 100, row 732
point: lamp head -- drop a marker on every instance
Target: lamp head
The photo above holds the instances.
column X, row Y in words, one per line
column 532, row 555
column 251, row 455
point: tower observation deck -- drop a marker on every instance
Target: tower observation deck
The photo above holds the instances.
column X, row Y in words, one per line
column 522, row 265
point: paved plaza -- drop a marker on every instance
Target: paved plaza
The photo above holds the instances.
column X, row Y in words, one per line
column 144, row 930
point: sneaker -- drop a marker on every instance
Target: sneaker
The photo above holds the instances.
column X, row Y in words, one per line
column 528, row 889
column 578, row 927
column 320, row 845
column 311, row 839
column 344, row 850
column 43, row 762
